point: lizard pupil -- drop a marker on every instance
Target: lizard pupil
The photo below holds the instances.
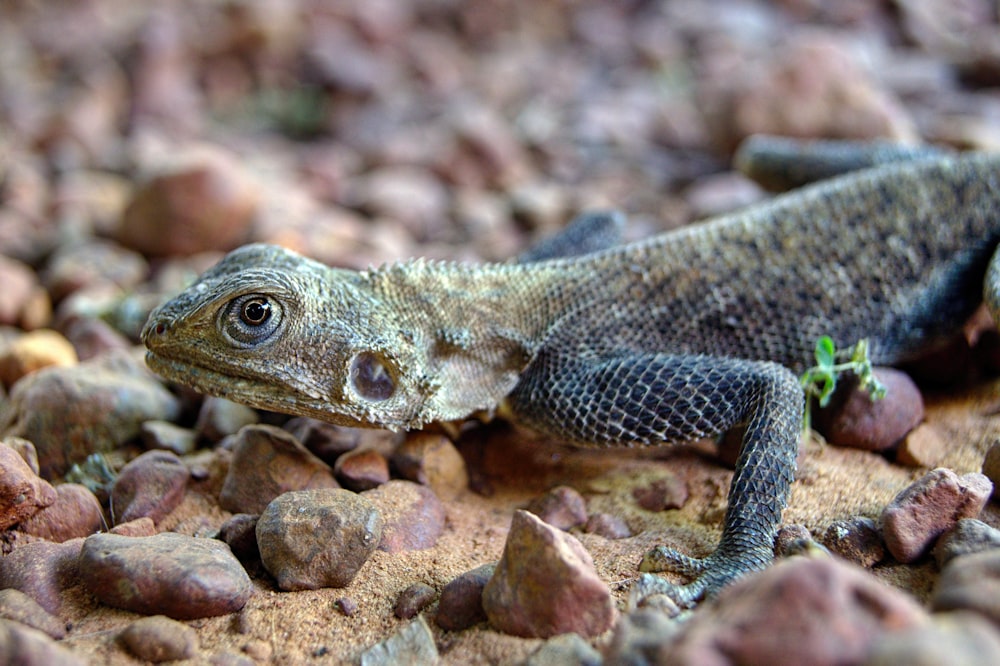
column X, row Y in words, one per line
column 371, row 377
column 255, row 312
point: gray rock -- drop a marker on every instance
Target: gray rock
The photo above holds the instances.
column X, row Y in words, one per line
column 461, row 603
column 970, row 582
column 158, row 639
column 220, row 418
column 413, row 645
column 952, row 639
column 565, row 650
column 166, row 436
column 967, row 536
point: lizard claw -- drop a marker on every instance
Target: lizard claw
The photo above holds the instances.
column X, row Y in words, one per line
column 710, row 574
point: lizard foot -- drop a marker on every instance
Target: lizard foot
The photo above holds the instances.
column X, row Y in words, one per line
column 710, row 573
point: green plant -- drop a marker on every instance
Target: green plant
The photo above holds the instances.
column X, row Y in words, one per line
column 820, row 381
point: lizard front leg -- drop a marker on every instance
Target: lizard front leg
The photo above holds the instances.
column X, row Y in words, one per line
column 637, row 398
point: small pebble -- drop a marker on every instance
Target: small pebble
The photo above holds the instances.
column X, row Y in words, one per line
column 22, row 492
column 347, row 606
column 167, row 574
column 432, row 460
column 412, row 644
column 219, row 418
column 856, row 421
column 545, row 584
column 970, row 582
column 361, row 469
column 310, row 539
column 608, row 526
column 856, row 539
column 76, row 266
column 412, row 600
column 413, row 516
column 929, row 507
column 668, row 492
column 33, row 351
column 967, row 536
column 19, row 607
column 166, row 436
column 561, row 507
column 267, row 462
column 75, row 513
column 24, row 646
column 922, row 447
column 158, row 639
column 42, row 570
column 461, row 603
column 152, row 485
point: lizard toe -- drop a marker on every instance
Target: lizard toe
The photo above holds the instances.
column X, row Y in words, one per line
column 710, row 574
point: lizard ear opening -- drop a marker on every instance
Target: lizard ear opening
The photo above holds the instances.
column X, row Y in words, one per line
column 372, row 377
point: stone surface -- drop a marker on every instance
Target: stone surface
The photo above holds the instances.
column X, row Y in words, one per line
column 240, row 534
column 970, row 582
column 461, row 603
column 42, row 570
column 23, row 301
column 561, row 507
column 929, row 507
column 75, row 513
column 170, row 574
column 856, row 539
column 152, row 485
column 642, row 637
column 219, row 418
column 608, row 526
column 267, row 462
column 22, row 492
column 857, row 421
column 565, row 650
column 967, row 536
column 412, row 644
column 667, row 492
column 19, row 607
column 413, row 517
column 361, row 469
column 76, row 266
column 952, row 639
column 166, row 436
column 991, row 465
column 24, row 646
column 922, row 447
column 432, row 460
column 158, row 639
column 33, row 351
column 545, row 584
column 310, row 539
column 412, row 600
column 326, row 440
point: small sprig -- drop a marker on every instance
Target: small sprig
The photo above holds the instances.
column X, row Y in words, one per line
column 820, row 381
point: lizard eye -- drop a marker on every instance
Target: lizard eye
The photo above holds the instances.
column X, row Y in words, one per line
column 371, row 377
column 250, row 319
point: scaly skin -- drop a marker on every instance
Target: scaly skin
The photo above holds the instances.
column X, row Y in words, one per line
column 680, row 336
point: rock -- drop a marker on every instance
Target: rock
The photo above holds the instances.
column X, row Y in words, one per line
column 33, row 351
column 24, row 646
column 203, row 201
column 608, row 526
column 96, row 406
column 802, row 610
column 158, row 639
column 152, row 485
column 77, row 266
column 856, row 539
column 25, row 449
column 347, row 606
column 668, row 492
column 412, row 600
column 431, row 459
column 967, row 536
column 240, row 534
column 220, row 418
column 562, row 507
column 461, row 603
column 22, row 492
column 267, row 462
column 929, row 507
column 19, row 607
column 642, row 637
column 952, row 639
column 970, row 582
column 361, row 469
column 23, row 301
column 792, row 540
column 857, row 421
column 922, row 447
column 565, row 650
column 413, row 196
column 413, row 515
column 42, row 570
column 991, row 465
column 412, row 644
column 326, row 440
column 545, row 584
column 75, row 513
column 139, row 527
column 165, row 436
column 167, row 574
column 92, row 337
column 310, row 539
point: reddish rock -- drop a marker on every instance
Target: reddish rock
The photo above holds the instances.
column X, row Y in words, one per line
column 240, row 534
column 42, row 570
column 326, row 440
column 669, row 492
column 92, row 337
column 608, row 526
column 220, row 418
column 461, row 603
column 859, row 422
column 267, row 462
column 361, row 469
column 75, row 513
column 545, row 584
column 152, row 485
column 432, row 460
column 928, row 508
column 23, row 301
column 561, row 507
column 139, row 527
column 158, row 639
column 22, row 492
column 922, row 447
column 856, row 539
column 792, row 540
column 22, row 645
column 19, row 607
column 413, row 515
column 412, row 600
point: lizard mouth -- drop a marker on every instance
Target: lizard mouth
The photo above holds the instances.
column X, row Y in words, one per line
column 205, row 380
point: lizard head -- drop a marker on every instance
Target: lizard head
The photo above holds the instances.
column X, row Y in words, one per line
column 271, row 329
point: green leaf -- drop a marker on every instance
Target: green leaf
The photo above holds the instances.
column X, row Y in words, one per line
column 825, row 352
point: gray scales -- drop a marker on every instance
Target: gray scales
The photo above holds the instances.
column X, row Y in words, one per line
column 681, row 336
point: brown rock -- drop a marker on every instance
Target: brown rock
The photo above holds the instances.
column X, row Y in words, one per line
column 310, row 539
column 410, row 195
column 800, row 611
column 170, row 574
column 204, row 201
column 326, row 440
column 856, row 539
column 23, row 301
column 25, row 449
column 967, row 536
column 267, row 462
column 22, row 492
column 545, row 584
column 24, row 646
column 413, row 515
column 152, row 485
column 19, row 607
column 668, row 492
column 33, row 351
column 922, row 447
column 92, row 337
column 461, row 603
column 361, row 469
column 859, row 422
column 951, row 639
column 412, row 600
column 42, row 570
column 792, row 539
column 431, row 459
column 929, row 507
column 75, row 513
column 970, row 582
column 608, row 526
column 139, row 527
column 240, row 534
column 562, row 507
column 77, row 266
column 158, row 639
column 991, row 465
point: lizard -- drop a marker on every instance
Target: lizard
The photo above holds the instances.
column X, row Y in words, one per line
column 679, row 336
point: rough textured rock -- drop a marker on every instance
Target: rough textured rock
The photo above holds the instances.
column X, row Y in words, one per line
column 24, row 646
column 432, row 460
column 19, row 607
column 361, row 469
column 75, row 513
column 413, row 515
column 267, row 462
column 967, row 536
column 952, row 639
column 608, row 526
column 461, row 603
column 412, row 644
column 317, row 538
column 545, row 584
column 25, row 449
column 412, row 600
column 970, row 582
column 857, row 421
column 800, row 611
column 33, row 351
column 158, row 638
column 22, row 492
column 152, row 485
column 71, row 412
column 561, row 507
column 929, row 507
column 42, row 570
column 170, row 574
column 856, row 539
